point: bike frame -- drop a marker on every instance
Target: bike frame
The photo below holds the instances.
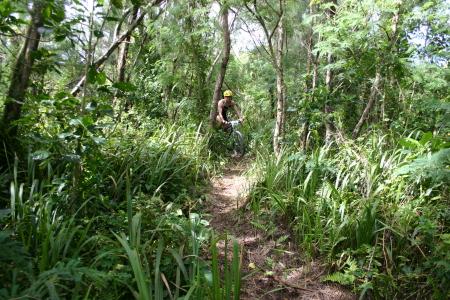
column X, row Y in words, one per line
column 238, row 143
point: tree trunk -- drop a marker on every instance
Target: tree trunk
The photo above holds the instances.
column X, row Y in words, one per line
column 123, row 50
column 373, row 96
column 311, row 66
column 196, row 58
column 279, row 124
column 330, row 128
column 223, row 67
column 22, row 69
column 276, row 56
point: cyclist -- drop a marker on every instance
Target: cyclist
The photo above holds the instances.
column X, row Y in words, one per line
column 222, row 108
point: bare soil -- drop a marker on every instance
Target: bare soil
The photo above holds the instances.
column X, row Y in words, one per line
column 285, row 274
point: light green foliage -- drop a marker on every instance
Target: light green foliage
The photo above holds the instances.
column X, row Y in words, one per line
column 428, row 161
column 349, row 204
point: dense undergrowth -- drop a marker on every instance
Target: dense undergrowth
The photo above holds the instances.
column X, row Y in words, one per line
column 102, row 210
column 123, row 219
column 376, row 210
column 111, row 218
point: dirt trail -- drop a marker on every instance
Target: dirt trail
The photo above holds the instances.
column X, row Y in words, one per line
column 284, row 267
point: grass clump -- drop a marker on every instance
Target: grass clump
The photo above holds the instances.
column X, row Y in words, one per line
column 370, row 208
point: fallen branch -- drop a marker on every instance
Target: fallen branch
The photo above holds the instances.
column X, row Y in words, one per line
column 289, row 284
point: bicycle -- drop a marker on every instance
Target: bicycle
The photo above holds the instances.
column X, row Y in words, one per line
column 236, row 139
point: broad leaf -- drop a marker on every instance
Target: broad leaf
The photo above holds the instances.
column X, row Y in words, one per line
column 408, row 143
column 41, row 154
column 46, row 12
column 75, row 121
column 101, row 78
column 104, row 125
column 425, row 138
column 125, row 86
column 70, row 157
column 5, row 212
column 58, row 16
column 92, row 106
column 92, row 75
column 98, row 140
column 87, row 121
column 117, row 3
column 60, row 38
column 99, row 34
column 104, row 89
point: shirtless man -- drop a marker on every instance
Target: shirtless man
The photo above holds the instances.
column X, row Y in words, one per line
column 223, row 107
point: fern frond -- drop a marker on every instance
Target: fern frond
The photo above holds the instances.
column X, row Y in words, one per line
column 258, row 225
column 282, row 239
column 340, row 278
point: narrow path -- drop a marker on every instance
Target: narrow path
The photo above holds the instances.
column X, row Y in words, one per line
column 272, row 249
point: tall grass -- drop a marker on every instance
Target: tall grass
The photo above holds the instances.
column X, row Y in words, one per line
column 348, row 205
column 193, row 278
column 132, row 232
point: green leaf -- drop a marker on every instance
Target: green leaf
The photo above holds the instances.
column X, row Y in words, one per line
column 125, row 86
column 117, row 3
column 104, row 125
column 5, row 212
column 408, row 143
column 92, row 106
column 75, row 121
column 98, row 140
column 98, row 34
column 70, row 157
column 104, row 89
column 446, row 238
column 101, row 78
column 39, row 155
column 87, row 120
column 58, row 16
column 425, row 138
column 46, row 12
column 60, row 38
column 92, row 75
column 36, row 55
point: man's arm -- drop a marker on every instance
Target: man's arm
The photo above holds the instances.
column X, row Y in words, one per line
column 219, row 110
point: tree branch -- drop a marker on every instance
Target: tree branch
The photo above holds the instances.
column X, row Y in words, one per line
column 119, row 39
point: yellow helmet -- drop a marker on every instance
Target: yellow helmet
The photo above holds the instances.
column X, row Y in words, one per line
column 228, row 93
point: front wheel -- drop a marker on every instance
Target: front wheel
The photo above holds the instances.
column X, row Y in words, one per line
column 238, row 143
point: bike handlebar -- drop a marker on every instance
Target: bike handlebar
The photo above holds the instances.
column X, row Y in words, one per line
column 234, row 123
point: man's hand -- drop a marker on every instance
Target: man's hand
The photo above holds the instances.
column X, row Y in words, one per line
column 241, row 120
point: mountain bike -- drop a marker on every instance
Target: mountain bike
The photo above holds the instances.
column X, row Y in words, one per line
column 236, row 139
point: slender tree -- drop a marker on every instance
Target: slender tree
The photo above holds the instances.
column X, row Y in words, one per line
column 22, row 69
column 275, row 46
column 124, row 48
column 223, row 66
column 330, row 127
column 311, row 68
